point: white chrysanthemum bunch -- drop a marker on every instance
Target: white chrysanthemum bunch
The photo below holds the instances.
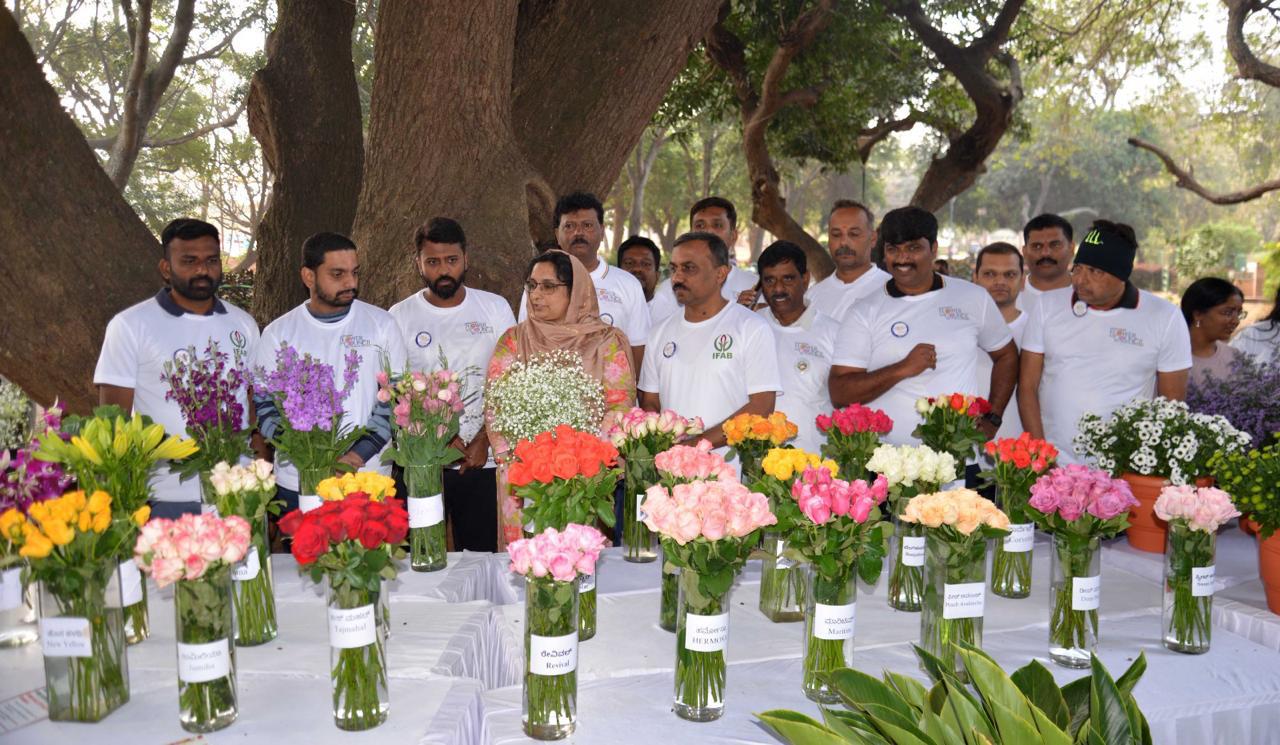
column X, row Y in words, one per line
column 550, row 389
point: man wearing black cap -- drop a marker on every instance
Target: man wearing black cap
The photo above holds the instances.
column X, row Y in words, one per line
column 1098, row 344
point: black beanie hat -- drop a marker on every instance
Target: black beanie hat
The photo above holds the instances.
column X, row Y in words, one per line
column 1107, row 250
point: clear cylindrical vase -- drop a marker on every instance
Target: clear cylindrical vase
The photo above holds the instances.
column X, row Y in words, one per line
column 206, row 656
column 587, row 604
column 550, row 701
column 427, row 544
column 1188, row 589
column 131, row 593
column 830, row 606
column 781, row 582
column 639, row 544
column 82, row 637
column 358, row 657
column 17, row 609
column 1075, row 593
column 1011, row 562
column 702, row 636
column 906, row 574
column 308, row 480
column 253, row 593
column 670, row 596
column 955, row 584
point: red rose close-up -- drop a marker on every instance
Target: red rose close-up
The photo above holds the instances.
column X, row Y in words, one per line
column 309, row 542
column 373, row 534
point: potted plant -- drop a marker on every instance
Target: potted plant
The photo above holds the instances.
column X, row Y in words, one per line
column 1251, row 479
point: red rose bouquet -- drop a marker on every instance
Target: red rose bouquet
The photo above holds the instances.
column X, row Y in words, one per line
column 853, row 434
column 950, row 425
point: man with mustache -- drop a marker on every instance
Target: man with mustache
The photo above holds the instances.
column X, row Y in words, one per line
column 142, row 338
column 1047, row 246
column 998, row 270
column 921, row 334
column 851, row 235
column 804, row 338
column 328, row 326
column 715, row 215
column 448, row 324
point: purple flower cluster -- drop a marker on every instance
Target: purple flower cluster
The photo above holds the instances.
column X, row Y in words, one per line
column 304, row 389
column 24, row 479
column 1246, row 398
column 207, row 389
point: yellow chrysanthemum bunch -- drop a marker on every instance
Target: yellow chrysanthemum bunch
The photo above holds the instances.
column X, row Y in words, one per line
column 775, row 428
column 785, row 464
column 373, row 484
column 57, row 524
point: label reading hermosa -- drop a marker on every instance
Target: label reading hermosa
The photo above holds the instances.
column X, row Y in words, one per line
column 1022, row 536
column 1085, row 592
column 201, row 663
column 248, row 567
column 964, row 600
column 426, row 511
column 351, row 628
column 912, row 551
column 1202, row 581
column 10, row 589
column 553, row 655
column 587, row 583
column 309, row 502
column 66, row 636
column 706, row 633
column 833, row 621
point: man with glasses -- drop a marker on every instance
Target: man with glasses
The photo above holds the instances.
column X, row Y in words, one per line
column 921, row 335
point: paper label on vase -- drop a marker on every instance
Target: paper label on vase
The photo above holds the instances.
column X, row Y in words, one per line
column 10, row 589
column 1022, row 536
column 309, row 502
column 66, row 636
column 129, row 581
column 201, row 663
column 586, row 583
column 641, row 515
column 553, row 655
column 781, row 561
column 833, row 621
column 706, row 633
column 1086, row 592
column 912, row 551
column 1202, row 581
column 964, row 600
column 248, row 567
column 426, row 511
column 350, row 628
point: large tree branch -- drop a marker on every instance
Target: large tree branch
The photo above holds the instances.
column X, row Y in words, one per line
column 967, row 64
column 726, row 51
column 1247, row 63
column 795, row 40
column 1185, row 179
column 106, row 143
column 871, row 136
column 123, row 151
column 221, row 46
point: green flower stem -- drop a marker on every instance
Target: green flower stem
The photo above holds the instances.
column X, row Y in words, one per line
column 949, row 563
column 1187, row 617
column 1072, row 629
column 86, row 689
column 700, row 676
column 550, row 700
column 587, row 613
column 254, row 599
column 428, row 547
column 670, row 598
column 202, row 611
column 639, row 543
column 906, row 583
column 1010, row 572
column 821, row 656
column 359, row 674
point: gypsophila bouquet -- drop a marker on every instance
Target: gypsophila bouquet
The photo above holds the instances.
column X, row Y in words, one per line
column 950, row 425
column 536, row 396
column 15, row 416
column 1157, row 437
column 1246, row 397
column 210, row 391
column 853, row 433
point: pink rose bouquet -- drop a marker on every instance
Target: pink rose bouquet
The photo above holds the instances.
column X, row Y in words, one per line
column 562, row 556
column 853, row 433
column 683, row 464
column 640, row 436
column 1194, row 516
column 190, row 547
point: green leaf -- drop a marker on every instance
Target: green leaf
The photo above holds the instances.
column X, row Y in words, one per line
column 1049, row 732
column 933, row 725
column 1037, row 684
column 993, row 684
column 858, row 690
column 965, row 712
column 852, row 726
column 900, row 735
column 1011, row 725
column 1108, row 715
column 798, row 729
column 909, row 688
column 1076, row 695
column 1130, row 677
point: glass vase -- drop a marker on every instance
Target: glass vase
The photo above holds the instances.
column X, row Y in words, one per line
column 82, row 637
column 1011, row 559
column 253, row 592
column 206, row 656
column 550, row 701
column 781, row 582
column 830, row 606
column 670, row 597
column 1075, row 593
column 308, row 480
column 906, row 575
column 955, row 584
column 702, row 635
column 428, row 551
column 587, row 604
column 358, row 656
column 639, row 544
column 131, row 592
column 1187, row 611
column 17, row 609
column 208, row 495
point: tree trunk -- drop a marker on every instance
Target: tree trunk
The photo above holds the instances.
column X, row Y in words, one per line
column 72, row 252
column 304, row 109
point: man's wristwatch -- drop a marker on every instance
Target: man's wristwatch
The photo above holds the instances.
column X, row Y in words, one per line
column 995, row 419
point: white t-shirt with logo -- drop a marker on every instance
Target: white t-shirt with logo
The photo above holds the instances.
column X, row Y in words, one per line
column 140, row 339
column 833, row 297
column 804, row 364
column 1098, row 360
column 366, row 328
column 960, row 319
column 621, row 300
column 710, row 368
column 463, row 336
column 664, row 301
column 1011, row 424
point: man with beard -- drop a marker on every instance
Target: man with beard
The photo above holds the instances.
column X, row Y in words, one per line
column 141, row 339
column 715, row 215
column 851, row 235
column 921, row 335
column 579, row 222
column 450, row 325
column 641, row 258
column 803, row 336
column 331, row 324
column 1047, row 245
column 998, row 270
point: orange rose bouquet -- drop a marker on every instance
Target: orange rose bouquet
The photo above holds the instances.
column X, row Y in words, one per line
column 752, row 435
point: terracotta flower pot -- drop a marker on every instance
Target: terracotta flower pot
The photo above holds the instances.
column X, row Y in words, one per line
column 1146, row 531
column 1269, row 568
column 1248, row 526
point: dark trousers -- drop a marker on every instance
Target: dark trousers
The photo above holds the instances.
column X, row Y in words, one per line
column 174, row 510
column 471, row 504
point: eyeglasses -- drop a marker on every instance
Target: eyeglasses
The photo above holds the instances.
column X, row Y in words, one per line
column 547, row 287
column 1233, row 314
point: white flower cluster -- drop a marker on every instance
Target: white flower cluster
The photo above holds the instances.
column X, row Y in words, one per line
column 907, row 465
column 550, row 389
column 227, row 479
column 15, row 416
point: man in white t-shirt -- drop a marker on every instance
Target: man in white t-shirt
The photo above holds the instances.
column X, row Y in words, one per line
column 142, row 338
column 998, row 269
column 851, row 235
column 1099, row 344
column 714, row 359
column 803, row 336
column 329, row 326
column 451, row 324
column 921, row 335
column 718, row 216
column 579, row 222
column 1047, row 246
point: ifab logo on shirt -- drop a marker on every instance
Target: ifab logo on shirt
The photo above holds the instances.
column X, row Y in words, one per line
column 351, row 341
column 477, row 328
column 808, row 350
column 722, row 345
column 952, row 313
column 608, row 296
column 1125, row 336
column 238, row 341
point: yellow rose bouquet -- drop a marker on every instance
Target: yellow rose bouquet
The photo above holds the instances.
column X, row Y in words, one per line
column 370, row 484
column 752, row 435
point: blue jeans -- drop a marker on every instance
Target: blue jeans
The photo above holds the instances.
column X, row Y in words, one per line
column 174, row 510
